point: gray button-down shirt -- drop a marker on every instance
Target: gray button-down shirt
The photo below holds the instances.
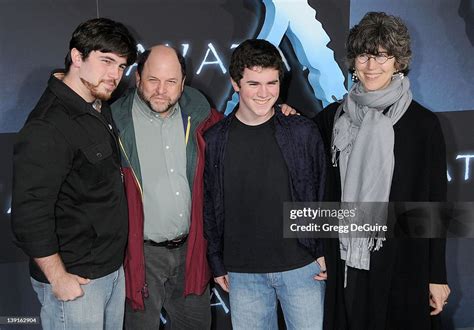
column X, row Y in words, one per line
column 162, row 153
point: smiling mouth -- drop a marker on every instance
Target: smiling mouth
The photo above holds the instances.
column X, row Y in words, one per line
column 372, row 75
column 110, row 85
column 262, row 102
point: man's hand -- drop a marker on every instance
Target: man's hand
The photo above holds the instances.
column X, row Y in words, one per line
column 287, row 110
column 223, row 281
column 323, row 274
column 65, row 286
column 68, row 286
column 439, row 294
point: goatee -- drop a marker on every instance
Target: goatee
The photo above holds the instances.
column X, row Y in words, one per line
column 103, row 96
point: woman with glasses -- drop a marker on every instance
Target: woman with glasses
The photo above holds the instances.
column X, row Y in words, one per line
column 384, row 146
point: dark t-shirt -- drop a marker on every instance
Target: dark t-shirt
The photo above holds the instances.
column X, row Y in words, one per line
column 256, row 184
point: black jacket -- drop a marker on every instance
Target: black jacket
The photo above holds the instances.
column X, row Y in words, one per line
column 68, row 196
column 303, row 151
column 402, row 269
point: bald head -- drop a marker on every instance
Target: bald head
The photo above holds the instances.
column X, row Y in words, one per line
column 160, row 78
column 161, row 50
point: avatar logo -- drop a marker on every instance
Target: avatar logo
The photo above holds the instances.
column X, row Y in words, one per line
column 297, row 21
column 207, row 29
column 300, row 29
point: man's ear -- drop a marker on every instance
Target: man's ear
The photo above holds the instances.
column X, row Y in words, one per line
column 137, row 78
column 76, row 57
column 182, row 84
column 235, row 85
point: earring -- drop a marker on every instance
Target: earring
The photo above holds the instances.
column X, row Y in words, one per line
column 400, row 75
column 354, row 76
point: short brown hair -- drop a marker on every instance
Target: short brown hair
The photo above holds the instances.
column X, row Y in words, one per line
column 254, row 53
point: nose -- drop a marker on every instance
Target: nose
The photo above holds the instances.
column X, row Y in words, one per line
column 160, row 88
column 115, row 72
column 262, row 91
column 371, row 62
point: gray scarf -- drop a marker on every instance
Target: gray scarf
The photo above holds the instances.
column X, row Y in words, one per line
column 363, row 140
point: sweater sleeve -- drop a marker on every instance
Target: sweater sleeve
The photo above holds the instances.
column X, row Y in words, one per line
column 319, row 163
column 41, row 161
column 211, row 227
column 319, row 179
column 318, row 169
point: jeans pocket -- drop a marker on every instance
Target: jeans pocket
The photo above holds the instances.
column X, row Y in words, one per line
column 39, row 288
column 316, row 266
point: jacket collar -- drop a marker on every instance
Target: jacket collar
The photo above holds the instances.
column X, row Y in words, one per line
column 194, row 104
column 74, row 104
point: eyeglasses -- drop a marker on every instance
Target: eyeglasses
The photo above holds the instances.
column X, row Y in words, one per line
column 380, row 58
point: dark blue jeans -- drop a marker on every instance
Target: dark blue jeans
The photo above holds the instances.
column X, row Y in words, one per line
column 253, row 299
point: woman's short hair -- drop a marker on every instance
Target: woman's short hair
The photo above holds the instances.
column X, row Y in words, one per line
column 377, row 29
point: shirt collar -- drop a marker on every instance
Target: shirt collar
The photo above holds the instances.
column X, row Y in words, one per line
column 74, row 104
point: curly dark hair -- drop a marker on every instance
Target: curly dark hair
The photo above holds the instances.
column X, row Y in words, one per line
column 377, row 29
column 252, row 53
column 105, row 35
